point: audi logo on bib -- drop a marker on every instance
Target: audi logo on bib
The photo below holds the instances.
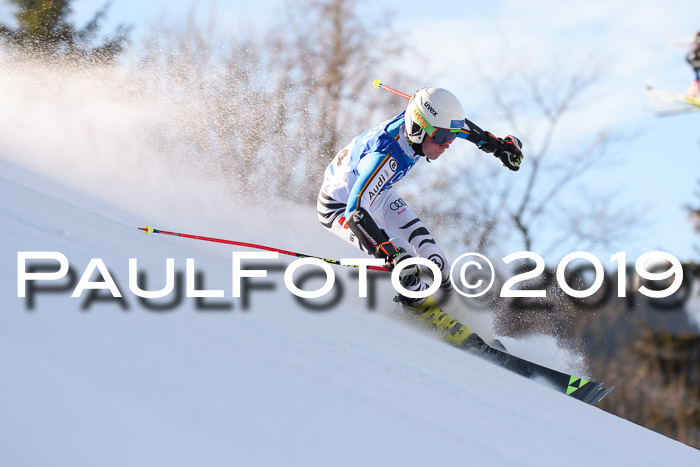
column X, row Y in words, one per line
column 398, row 204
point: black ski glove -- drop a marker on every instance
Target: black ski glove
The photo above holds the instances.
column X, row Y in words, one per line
column 507, row 150
column 510, row 154
column 410, row 275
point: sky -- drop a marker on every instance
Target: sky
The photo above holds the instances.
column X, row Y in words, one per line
column 629, row 39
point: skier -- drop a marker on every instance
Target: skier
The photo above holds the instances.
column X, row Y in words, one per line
column 358, row 203
column 693, row 59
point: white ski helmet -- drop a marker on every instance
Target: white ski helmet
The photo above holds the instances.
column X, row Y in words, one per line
column 435, row 112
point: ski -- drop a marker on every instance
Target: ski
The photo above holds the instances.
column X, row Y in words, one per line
column 602, row 392
column 459, row 335
column 590, row 392
column 669, row 103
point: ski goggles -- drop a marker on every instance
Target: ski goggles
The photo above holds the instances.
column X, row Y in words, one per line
column 443, row 136
column 440, row 136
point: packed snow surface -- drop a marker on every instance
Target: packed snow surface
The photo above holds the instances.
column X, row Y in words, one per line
column 103, row 383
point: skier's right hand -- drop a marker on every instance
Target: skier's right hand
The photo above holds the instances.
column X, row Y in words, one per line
column 409, row 276
column 389, row 253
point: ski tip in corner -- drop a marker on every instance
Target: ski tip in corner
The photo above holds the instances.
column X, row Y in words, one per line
column 586, row 391
column 598, row 396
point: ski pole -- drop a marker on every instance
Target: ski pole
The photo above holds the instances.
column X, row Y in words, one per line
column 149, row 229
column 378, row 84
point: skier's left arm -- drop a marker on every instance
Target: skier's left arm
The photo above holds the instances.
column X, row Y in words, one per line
column 507, row 150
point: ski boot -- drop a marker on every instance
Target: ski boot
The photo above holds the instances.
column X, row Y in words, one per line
column 452, row 330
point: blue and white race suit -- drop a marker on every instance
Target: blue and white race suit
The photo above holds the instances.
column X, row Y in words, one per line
column 362, row 174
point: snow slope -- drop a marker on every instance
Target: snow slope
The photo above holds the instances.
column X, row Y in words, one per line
column 272, row 385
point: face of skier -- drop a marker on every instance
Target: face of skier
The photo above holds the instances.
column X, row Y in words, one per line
column 432, row 150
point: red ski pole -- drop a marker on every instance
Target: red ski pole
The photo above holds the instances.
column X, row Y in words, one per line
column 148, row 230
column 378, row 84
